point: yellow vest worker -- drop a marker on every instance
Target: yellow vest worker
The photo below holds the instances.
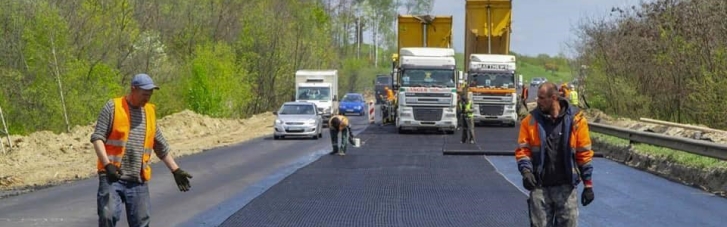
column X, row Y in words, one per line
column 573, row 97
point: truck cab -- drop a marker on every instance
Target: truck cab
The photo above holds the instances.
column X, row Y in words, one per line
column 492, row 88
column 427, row 89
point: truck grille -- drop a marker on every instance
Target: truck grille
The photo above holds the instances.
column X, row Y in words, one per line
column 427, row 114
column 492, row 110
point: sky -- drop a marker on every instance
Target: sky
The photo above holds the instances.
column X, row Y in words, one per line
column 539, row 26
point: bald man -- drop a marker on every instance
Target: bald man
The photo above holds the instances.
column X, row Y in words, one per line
column 554, row 155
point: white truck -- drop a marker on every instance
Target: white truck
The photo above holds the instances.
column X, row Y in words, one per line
column 427, row 92
column 319, row 87
column 492, row 88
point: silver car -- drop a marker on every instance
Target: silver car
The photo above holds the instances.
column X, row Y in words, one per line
column 298, row 119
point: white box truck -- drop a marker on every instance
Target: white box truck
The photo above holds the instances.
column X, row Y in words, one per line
column 319, row 87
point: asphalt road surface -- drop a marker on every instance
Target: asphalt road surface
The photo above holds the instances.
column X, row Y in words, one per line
column 392, row 180
column 224, row 180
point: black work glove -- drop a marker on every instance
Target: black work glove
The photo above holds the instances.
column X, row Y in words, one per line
column 587, row 196
column 182, row 179
column 113, row 173
column 529, row 181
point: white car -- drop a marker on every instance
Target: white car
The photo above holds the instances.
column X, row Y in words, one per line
column 298, row 119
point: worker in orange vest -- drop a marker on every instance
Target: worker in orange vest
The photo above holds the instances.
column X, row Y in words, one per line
column 563, row 90
column 524, row 97
column 554, row 155
column 126, row 134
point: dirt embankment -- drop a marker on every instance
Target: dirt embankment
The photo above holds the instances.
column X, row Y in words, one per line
column 44, row 158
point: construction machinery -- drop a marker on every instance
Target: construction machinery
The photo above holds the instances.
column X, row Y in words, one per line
column 491, row 81
column 424, row 73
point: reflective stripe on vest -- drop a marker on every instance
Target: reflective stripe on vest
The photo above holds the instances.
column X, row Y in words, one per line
column 121, row 127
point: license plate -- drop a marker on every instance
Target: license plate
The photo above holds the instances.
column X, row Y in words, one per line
column 295, row 129
column 349, row 110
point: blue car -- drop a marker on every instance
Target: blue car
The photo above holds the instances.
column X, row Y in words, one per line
column 352, row 103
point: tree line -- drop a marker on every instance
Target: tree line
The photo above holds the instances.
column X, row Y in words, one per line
column 665, row 59
column 60, row 61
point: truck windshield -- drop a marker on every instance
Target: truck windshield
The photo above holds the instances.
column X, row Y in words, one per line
column 428, row 78
column 383, row 81
column 314, row 93
column 494, row 79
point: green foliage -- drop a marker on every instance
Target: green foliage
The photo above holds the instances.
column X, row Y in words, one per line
column 219, row 58
column 658, row 60
column 216, row 86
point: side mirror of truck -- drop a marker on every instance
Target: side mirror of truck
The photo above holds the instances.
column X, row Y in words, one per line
column 395, row 86
column 275, row 112
column 335, row 98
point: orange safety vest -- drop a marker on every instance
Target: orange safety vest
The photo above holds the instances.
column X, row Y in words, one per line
column 116, row 142
column 530, row 153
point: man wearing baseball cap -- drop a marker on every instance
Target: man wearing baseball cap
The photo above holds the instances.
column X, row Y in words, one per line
column 126, row 133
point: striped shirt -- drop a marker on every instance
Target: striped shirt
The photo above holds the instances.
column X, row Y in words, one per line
column 131, row 162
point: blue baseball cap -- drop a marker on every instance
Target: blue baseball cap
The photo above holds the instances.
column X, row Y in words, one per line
column 143, row 81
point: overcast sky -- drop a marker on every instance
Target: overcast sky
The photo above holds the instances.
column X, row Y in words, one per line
column 539, row 26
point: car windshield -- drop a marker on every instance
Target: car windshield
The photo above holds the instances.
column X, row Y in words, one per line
column 351, row 98
column 291, row 109
column 314, row 93
column 495, row 79
column 428, row 78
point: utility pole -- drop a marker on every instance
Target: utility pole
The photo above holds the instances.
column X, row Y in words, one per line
column 358, row 36
column 376, row 47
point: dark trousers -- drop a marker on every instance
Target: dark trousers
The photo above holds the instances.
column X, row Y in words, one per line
column 346, row 137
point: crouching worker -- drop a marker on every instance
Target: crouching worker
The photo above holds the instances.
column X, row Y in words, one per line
column 339, row 124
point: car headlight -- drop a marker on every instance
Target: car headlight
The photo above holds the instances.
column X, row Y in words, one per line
column 357, row 107
column 310, row 122
column 278, row 122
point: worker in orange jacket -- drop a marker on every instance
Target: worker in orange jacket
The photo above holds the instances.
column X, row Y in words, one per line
column 524, row 97
column 124, row 138
column 563, row 90
column 554, row 155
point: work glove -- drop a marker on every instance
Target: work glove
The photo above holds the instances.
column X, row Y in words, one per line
column 113, row 173
column 182, row 179
column 529, row 181
column 587, row 196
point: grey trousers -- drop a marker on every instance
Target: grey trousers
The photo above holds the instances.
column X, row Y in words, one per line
column 468, row 133
column 555, row 206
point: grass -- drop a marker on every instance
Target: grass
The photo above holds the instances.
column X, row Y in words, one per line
column 530, row 70
column 675, row 156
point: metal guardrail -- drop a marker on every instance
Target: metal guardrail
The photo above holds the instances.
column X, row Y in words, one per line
column 698, row 147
